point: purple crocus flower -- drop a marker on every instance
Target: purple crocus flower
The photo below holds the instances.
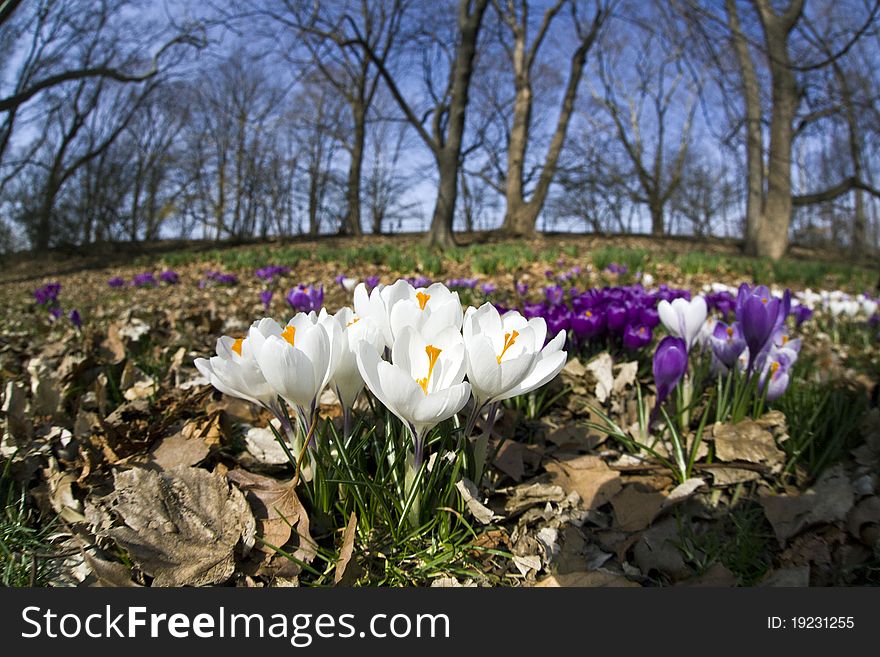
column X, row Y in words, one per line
column 55, row 312
column 775, row 374
column 47, row 294
column 649, row 317
column 75, row 319
column 266, row 298
column 144, row 280
column 522, row 289
column 616, row 318
column 116, row 281
column 371, row 282
column 727, row 343
column 558, row 319
column 488, row 288
column 588, row 324
column 270, row 272
column 801, row 314
column 670, row 364
column 757, row 311
column 306, row 299
column 554, row 295
column 169, row 277
column 636, row 337
column 462, row 283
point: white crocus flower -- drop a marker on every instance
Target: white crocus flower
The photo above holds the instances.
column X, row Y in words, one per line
column 234, row 370
column 505, row 355
column 347, row 381
column 376, row 305
column 423, row 384
column 683, row 318
column 300, row 360
column 391, row 308
column 428, row 310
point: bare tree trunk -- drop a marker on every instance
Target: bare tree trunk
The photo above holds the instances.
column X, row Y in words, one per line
column 448, row 150
column 754, row 135
column 773, row 238
column 440, row 233
column 657, row 227
column 521, row 215
column 352, row 223
column 859, row 235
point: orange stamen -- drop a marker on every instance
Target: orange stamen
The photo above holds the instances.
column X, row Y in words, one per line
column 354, row 321
column 729, row 332
column 236, row 346
column 509, row 339
column 289, row 334
column 587, row 313
column 423, row 299
column 433, row 352
column 774, row 367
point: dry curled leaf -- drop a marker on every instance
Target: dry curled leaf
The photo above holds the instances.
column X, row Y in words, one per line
column 589, row 476
column 347, row 548
column 181, row 525
column 278, row 511
column 748, row 440
column 470, row 495
column 828, row 501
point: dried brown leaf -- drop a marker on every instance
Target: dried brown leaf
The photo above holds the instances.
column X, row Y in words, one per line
column 181, row 525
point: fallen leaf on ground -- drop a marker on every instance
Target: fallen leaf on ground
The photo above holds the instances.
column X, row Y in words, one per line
column 347, row 548
column 528, row 495
column 717, row 575
column 864, row 518
column 263, row 446
column 747, row 441
column 181, row 525
column 635, row 507
column 509, row 459
column 600, row 368
column 727, row 476
column 787, row 577
column 278, row 511
column 828, row 501
column 683, row 491
column 109, row 573
column 589, row 476
column 470, row 495
column 182, row 448
column 657, row 549
column 575, row 436
column 591, row 579
column 626, row 376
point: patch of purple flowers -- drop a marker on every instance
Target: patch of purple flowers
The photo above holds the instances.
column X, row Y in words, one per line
column 169, row 277
column 271, row 272
column 621, row 316
column 116, row 281
column 461, row 283
column 47, row 295
column 615, row 268
column 144, row 280
column 218, row 278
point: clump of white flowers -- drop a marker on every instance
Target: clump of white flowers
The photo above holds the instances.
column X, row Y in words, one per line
column 419, row 353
